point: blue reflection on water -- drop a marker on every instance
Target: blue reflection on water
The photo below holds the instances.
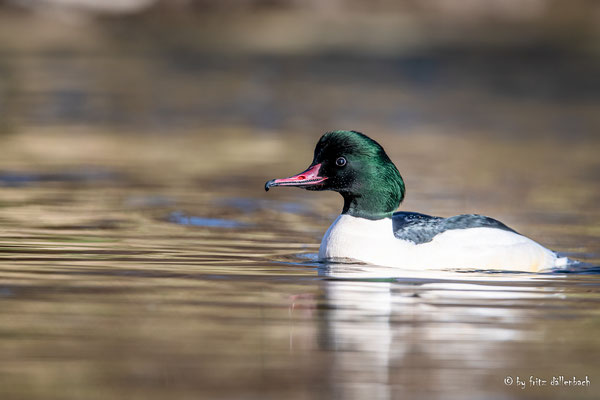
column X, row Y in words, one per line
column 17, row 179
column 180, row 218
column 249, row 205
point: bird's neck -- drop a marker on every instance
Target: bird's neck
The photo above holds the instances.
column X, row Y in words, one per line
column 372, row 204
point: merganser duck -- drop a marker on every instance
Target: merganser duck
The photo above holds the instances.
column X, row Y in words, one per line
column 368, row 230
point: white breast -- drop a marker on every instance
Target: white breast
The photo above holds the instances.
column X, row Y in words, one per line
column 359, row 239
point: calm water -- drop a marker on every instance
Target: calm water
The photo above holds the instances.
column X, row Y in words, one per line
column 158, row 267
column 140, row 257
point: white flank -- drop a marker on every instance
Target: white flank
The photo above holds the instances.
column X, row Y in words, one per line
column 359, row 239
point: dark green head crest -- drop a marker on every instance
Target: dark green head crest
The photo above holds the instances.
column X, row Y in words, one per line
column 358, row 168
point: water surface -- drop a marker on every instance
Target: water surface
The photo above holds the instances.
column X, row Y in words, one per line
column 157, row 267
column 140, row 257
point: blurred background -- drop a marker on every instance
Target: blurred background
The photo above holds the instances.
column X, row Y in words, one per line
column 505, row 67
column 484, row 105
column 140, row 257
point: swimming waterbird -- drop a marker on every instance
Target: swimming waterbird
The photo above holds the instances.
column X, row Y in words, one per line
column 369, row 230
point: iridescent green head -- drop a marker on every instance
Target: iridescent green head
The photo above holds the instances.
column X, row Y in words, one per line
column 358, row 168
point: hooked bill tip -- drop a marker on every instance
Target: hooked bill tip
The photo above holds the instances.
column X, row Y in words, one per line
column 268, row 185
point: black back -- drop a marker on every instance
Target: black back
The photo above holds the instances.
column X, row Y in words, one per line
column 421, row 228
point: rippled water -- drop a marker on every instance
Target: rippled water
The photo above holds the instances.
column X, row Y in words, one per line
column 140, row 257
column 153, row 267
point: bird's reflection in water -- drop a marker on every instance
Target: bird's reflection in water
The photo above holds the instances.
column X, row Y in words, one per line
column 357, row 326
column 395, row 332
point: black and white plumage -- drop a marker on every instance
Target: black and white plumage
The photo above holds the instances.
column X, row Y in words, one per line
column 420, row 228
column 369, row 230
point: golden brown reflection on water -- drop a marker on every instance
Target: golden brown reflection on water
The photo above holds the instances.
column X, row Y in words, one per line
column 157, row 267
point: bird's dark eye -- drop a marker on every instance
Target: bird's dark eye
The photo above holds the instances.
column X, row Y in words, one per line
column 340, row 162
